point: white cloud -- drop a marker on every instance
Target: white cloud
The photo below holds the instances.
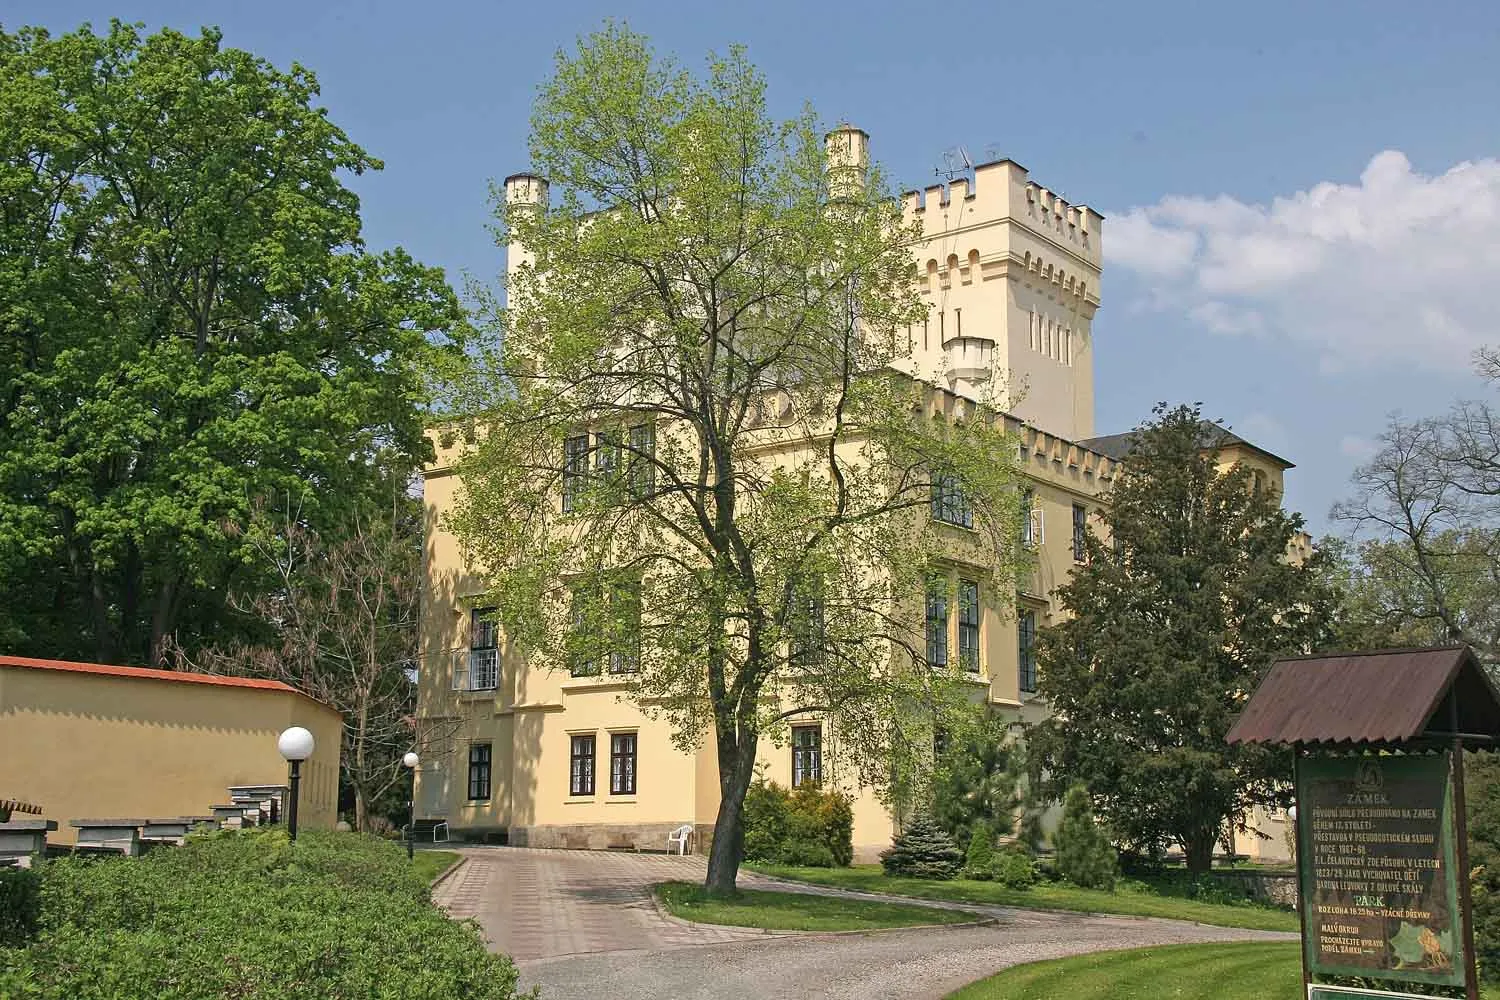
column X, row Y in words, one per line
column 1393, row 271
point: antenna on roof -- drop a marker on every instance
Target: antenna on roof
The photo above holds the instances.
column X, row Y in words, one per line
column 992, row 152
column 956, row 164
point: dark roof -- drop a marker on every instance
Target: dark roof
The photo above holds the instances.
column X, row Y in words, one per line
column 1382, row 696
column 1117, row 446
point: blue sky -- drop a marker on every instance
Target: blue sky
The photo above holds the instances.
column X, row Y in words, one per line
column 1302, row 199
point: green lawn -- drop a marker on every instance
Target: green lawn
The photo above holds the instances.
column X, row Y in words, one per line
column 431, row 864
column 1242, row 971
column 790, row 911
column 1256, row 971
column 1045, row 896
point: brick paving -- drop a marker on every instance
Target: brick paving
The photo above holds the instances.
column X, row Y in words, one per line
column 535, row 904
column 574, row 920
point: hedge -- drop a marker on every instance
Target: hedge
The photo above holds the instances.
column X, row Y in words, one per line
column 252, row 916
column 20, row 905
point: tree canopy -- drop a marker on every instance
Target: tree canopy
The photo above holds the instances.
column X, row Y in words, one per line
column 1183, row 601
column 1424, row 555
column 692, row 464
column 189, row 323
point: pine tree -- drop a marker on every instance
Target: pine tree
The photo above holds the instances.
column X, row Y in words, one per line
column 1085, row 856
column 923, row 850
column 1183, row 599
column 980, row 858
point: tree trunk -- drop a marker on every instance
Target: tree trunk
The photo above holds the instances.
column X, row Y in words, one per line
column 736, row 769
column 1200, row 852
column 361, row 809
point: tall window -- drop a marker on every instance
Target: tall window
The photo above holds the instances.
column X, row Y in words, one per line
column 1026, row 649
column 949, row 503
column 575, row 472
column 583, row 645
column 581, row 781
column 606, row 456
column 937, row 625
column 807, row 755
column 484, row 652
column 808, row 626
column 479, row 771
column 1028, row 525
column 624, row 627
column 642, row 467
column 1080, row 531
column 622, row 764
column 968, row 625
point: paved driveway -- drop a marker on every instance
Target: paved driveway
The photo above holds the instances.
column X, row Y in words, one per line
column 579, row 923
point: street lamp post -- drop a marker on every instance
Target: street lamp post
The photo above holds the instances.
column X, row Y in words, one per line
column 411, row 760
column 296, row 745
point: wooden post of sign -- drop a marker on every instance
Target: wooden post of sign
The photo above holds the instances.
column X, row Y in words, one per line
column 1303, row 899
column 1461, row 848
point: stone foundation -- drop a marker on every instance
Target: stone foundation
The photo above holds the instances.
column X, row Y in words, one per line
column 597, row 836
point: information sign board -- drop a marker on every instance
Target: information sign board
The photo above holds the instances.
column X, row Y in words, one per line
column 1376, row 855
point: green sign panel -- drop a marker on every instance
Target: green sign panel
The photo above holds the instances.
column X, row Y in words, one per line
column 1316, row 992
column 1379, row 890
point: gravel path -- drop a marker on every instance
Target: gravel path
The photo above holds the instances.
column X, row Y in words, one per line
column 582, row 923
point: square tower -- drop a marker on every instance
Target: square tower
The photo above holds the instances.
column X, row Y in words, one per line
column 1010, row 273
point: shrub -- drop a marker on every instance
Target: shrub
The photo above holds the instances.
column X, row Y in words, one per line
column 830, row 817
column 809, row 826
column 980, row 858
column 922, row 850
column 1085, row 856
column 806, row 854
column 20, row 905
column 1014, row 868
column 768, row 810
column 253, row 916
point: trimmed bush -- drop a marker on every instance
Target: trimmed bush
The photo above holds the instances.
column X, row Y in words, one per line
column 980, row 857
column 20, row 905
column 1085, row 856
column 768, row 810
column 923, row 850
column 1014, row 868
column 252, row 916
column 809, row 826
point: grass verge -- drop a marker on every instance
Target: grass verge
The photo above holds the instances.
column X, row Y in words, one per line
column 1131, row 899
column 793, row 911
column 1257, row 970
column 431, row 864
column 1253, row 971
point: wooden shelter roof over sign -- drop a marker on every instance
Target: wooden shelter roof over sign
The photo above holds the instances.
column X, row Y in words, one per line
column 1382, row 696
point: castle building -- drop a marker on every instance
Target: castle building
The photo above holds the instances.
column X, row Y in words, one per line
column 1010, row 272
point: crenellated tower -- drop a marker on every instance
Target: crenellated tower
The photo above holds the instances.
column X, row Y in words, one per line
column 1010, row 273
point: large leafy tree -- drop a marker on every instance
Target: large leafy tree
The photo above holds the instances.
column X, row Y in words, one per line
column 1182, row 603
column 1425, row 521
column 189, row 322
column 693, row 461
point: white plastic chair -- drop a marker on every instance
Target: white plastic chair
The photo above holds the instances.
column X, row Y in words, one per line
column 679, row 837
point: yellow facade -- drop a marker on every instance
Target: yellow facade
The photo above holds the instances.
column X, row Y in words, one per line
column 1011, row 276
column 88, row 741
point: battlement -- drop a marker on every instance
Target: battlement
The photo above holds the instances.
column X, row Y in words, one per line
column 1003, row 190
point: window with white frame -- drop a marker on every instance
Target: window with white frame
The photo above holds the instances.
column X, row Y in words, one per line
column 968, row 625
column 807, row 755
column 481, row 672
column 937, row 624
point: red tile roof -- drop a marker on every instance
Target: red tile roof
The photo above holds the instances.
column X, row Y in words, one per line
column 143, row 673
